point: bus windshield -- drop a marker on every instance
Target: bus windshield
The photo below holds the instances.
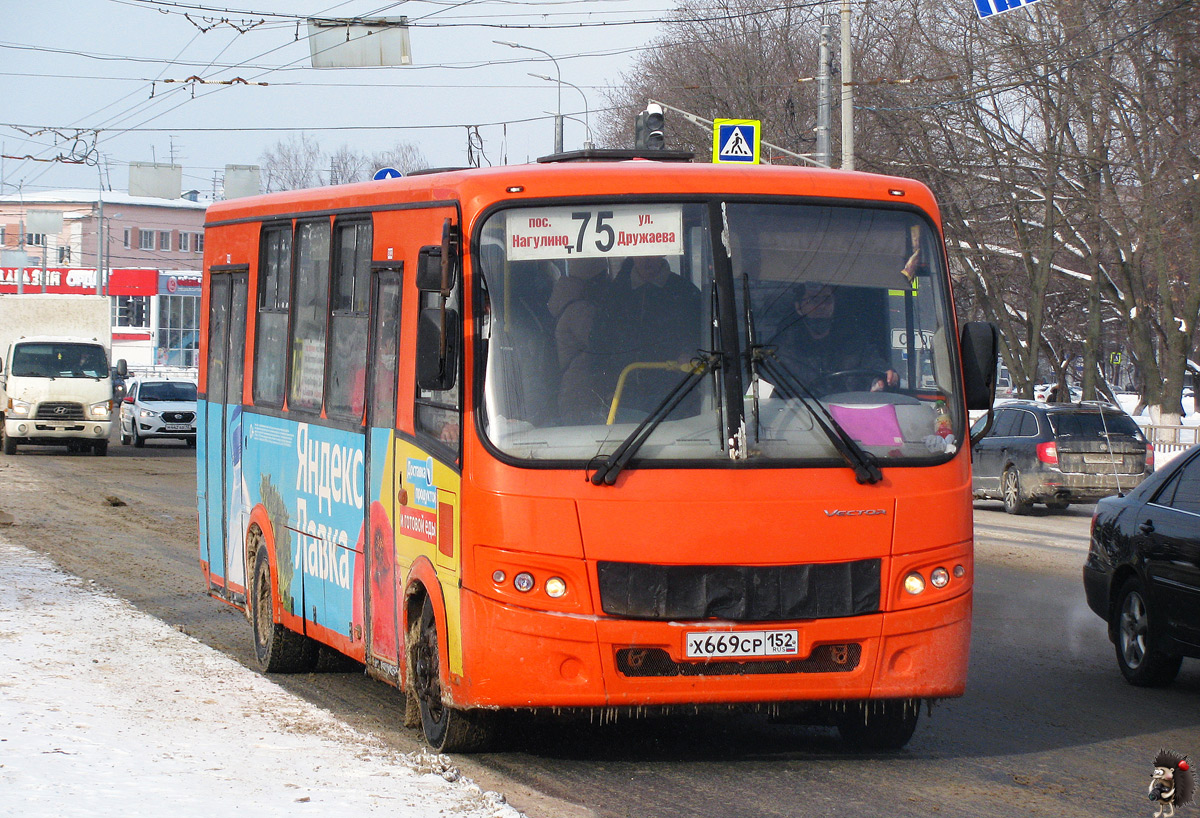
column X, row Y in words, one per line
column 749, row 330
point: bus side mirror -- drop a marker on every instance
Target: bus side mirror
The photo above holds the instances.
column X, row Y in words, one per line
column 978, row 347
column 437, row 265
column 438, row 331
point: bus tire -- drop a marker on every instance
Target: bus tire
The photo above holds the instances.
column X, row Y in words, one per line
column 100, row 448
column 446, row 729
column 878, row 725
column 277, row 649
column 10, row 445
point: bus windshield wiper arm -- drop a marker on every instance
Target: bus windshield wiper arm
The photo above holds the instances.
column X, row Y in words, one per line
column 865, row 464
column 606, row 473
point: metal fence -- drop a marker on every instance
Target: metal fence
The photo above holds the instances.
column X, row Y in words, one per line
column 1172, row 438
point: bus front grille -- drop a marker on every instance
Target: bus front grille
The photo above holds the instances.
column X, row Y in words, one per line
column 739, row 593
column 651, row 662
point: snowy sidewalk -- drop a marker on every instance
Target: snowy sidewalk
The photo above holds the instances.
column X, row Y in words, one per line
column 107, row 711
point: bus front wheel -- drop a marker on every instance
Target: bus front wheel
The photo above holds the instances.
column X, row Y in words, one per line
column 277, row 649
column 447, row 729
column 878, row 725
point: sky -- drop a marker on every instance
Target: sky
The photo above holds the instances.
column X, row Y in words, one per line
column 107, row 80
column 105, row 710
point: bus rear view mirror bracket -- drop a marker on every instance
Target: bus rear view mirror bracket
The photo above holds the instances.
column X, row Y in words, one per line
column 437, row 348
column 978, row 345
column 437, row 265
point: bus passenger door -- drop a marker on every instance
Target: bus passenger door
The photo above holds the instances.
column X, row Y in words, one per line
column 219, row 445
column 382, row 617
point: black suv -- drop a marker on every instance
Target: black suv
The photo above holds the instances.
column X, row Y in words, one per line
column 1058, row 454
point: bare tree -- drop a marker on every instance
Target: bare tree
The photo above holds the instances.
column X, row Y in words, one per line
column 300, row 162
column 403, row 156
column 348, row 165
column 292, row 164
column 1061, row 141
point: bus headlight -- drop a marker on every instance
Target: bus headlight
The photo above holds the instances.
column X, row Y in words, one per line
column 939, row 577
column 101, row 410
column 555, row 587
column 523, row 582
column 914, row 583
column 19, row 408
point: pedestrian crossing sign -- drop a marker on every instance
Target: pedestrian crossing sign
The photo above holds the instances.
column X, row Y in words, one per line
column 737, row 140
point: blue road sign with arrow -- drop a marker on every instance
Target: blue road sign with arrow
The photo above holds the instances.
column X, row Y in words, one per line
column 987, row 8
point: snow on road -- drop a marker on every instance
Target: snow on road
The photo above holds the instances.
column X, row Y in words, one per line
column 107, row 711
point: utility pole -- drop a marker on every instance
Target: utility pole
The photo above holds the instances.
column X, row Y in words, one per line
column 21, row 247
column 823, row 100
column 100, row 233
column 21, row 243
column 847, row 92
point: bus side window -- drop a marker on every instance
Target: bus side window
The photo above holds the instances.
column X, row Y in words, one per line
column 438, row 414
column 274, row 295
column 348, row 323
column 310, row 315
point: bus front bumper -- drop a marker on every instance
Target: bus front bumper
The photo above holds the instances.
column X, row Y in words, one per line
column 531, row 658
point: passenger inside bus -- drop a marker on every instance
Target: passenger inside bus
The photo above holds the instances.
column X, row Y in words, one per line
column 576, row 302
column 523, row 332
column 653, row 318
column 821, row 343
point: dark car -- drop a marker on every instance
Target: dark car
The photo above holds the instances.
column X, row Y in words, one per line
column 1058, row 454
column 1142, row 574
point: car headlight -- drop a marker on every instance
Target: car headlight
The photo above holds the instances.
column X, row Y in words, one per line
column 147, row 413
column 100, row 410
column 19, row 408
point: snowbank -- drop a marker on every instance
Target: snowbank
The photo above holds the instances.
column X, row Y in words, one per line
column 105, row 711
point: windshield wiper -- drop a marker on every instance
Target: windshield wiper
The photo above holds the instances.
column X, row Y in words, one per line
column 606, row 473
column 865, row 464
column 753, row 353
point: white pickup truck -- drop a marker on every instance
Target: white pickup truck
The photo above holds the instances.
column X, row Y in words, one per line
column 55, row 382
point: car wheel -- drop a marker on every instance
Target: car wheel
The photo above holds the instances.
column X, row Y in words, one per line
column 1010, row 491
column 1141, row 663
column 447, row 729
column 1058, row 505
column 191, row 442
column 138, row 440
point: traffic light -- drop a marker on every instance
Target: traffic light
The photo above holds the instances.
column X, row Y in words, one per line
column 137, row 312
column 123, row 313
column 649, row 128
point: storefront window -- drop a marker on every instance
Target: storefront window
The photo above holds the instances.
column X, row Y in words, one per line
column 178, row 330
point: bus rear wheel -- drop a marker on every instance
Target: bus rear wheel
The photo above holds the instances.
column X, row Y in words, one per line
column 447, row 729
column 878, row 725
column 277, row 649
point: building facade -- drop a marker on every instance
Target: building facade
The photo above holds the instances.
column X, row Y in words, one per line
column 144, row 253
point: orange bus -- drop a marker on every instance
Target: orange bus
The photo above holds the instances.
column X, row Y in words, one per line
column 596, row 432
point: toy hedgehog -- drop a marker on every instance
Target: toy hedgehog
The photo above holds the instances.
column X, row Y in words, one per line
column 1172, row 783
